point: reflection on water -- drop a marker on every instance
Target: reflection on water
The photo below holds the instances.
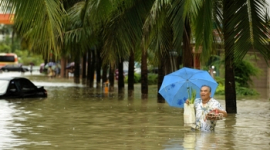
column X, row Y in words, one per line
column 77, row 117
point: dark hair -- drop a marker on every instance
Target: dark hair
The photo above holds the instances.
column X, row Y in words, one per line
column 207, row 86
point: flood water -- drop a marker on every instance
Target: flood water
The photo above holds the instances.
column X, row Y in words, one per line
column 76, row 117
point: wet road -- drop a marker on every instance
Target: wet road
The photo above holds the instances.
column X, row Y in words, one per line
column 76, row 117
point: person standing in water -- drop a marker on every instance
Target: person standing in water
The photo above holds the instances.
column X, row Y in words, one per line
column 205, row 105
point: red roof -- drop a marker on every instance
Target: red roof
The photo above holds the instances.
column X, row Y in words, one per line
column 6, row 18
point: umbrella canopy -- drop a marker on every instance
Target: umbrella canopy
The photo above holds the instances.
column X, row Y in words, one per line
column 175, row 86
column 49, row 64
column 70, row 65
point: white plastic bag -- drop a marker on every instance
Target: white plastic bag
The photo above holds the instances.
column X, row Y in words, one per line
column 189, row 114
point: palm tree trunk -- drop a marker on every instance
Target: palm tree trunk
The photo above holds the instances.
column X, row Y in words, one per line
column 98, row 69
column 121, row 84
column 131, row 74
column 144, row 75
column 84, row 69
column 104, row 73
column 90, row 68
column 92, row 71
column 161, row 74
column 111, row 77
column 77, row 70
column 187, row 51
column 230, row 94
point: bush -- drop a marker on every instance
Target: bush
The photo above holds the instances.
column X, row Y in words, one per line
column 244, row 70
column 152, row 78
column 244, row 91
column 221, row 87
column 137, row 78
column 240, row 90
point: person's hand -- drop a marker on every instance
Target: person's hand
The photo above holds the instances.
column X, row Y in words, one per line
column 187, row 101
column 215, row 114
column 218, row 111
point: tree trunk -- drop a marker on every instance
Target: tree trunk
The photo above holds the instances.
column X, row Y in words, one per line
column 98, row 69
column 90, row 68
column 230, row 93
column 121, row 83
column 104, row 73
column 77, row 70
column 187, row 51
column 161, row 74
column 131, row 74
column 84, row 68
column 144, row 75
column 111, row 77
column 92, row 71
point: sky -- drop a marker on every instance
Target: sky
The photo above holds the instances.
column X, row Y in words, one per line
column 268, row 1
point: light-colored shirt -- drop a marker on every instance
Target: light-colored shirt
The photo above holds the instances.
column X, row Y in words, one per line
column 201, row 112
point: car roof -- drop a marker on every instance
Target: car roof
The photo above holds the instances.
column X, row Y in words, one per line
column 11, row 78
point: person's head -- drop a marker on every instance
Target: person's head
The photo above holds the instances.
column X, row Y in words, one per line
column 205, row 92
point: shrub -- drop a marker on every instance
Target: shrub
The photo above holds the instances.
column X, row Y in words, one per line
column 240, row 90
column 152, row 78
column 244, row 70
column 137, row 78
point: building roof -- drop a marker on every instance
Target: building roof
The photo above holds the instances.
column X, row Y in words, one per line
column 6, row 18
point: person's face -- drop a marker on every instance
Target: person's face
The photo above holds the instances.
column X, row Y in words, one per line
column 205, row 93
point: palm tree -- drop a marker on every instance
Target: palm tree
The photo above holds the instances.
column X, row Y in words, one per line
column 122, row 34
column 40, row 25
column 240, row 23
column 159, row 37
column 244, row 28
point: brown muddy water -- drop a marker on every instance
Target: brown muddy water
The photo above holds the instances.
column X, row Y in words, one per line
column 76, row 117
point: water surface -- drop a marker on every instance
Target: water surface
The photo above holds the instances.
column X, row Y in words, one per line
column 76, row 117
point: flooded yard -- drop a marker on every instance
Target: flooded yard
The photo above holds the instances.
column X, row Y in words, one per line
column 77, row 117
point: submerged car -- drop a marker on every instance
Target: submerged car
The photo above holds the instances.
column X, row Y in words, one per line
column 20, row 87
column 19, row 68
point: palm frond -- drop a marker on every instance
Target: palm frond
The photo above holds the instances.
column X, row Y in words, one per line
column 203, row 28
column 251, row 29
column 40, row 21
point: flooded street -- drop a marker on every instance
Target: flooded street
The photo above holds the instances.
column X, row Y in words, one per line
column 76, row 117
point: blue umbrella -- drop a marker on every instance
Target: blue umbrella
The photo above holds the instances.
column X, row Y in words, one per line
column 49, row 64
column 175, row 86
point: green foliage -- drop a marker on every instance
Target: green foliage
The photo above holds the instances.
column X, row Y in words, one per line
column 244, row 70
column 191, row 95
column 221, row 87
column 240, row 90
column 4, row 48
column 244, row 91
column 25, row 57
column 220, row 90
column 152, row 78
column 137, row 78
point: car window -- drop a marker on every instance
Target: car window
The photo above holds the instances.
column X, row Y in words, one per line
column 12, row 87
column 27, row 85
column 17, row 83
column 3, row 87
